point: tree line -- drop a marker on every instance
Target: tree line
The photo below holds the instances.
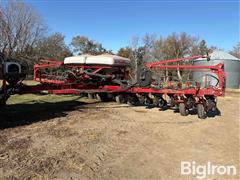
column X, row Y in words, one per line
column 24, row 35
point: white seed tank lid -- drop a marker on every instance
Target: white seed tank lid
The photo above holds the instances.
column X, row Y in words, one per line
column 104, row 59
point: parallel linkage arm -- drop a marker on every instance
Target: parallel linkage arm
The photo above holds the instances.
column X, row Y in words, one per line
column 216, row 69
column 161, row 62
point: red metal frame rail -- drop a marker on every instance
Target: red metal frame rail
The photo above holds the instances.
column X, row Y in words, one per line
column 62, row 87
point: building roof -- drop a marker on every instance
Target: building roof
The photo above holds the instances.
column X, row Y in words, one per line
column 220, row 55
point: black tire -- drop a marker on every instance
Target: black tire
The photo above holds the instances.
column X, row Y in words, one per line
column 156, row 101
column 133, row 101
column 102, row 97
column 120, row 99
column 172, row 102
column 90, row 96
column 202, row 114
column 144, row 77
column 183, row 110
column 162, row 103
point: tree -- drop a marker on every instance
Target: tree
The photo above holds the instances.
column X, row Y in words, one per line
column 203, row 49
column 158, row 51
column 236, row 50
column 199, row 48
column 52, row 46
column 21, row 27
column 177, row 46
column 135, row 53
column 83, row 45
column 126, row 52
column 174, row 46
column 149, row 41
column 170, row 47
column 138, row 53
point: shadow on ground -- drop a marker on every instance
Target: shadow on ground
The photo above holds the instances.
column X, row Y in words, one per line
column 24, row 114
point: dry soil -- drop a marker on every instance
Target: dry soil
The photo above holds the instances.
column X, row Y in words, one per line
column 79, row 140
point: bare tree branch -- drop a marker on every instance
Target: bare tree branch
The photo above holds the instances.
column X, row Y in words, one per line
column 21, row 26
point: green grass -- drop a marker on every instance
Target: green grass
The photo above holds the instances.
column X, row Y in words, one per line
column 49, row 98
column 30, row 82
column 30, row 108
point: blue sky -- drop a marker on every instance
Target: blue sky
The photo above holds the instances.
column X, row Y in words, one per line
column 114, row 23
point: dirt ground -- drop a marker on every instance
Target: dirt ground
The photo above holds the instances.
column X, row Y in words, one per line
column 79, row 139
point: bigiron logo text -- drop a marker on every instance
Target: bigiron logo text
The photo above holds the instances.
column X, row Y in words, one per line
column 201, row 171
